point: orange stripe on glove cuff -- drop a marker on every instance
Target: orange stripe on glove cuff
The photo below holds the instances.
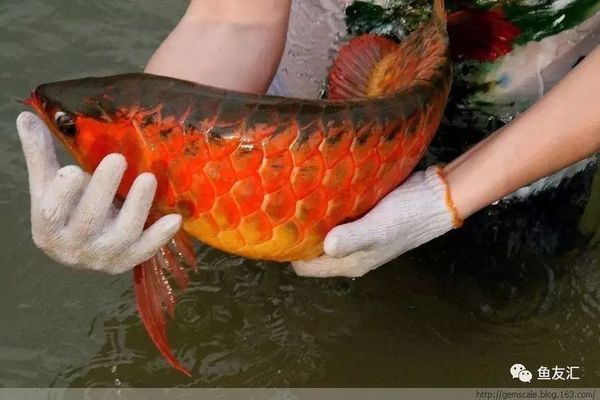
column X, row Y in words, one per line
column 457, row 221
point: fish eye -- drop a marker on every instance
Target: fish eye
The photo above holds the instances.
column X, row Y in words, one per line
column 65, row 123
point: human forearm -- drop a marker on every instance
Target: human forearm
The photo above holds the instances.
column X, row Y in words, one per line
column 230, row 44
column 560, row 129
column 239, row 11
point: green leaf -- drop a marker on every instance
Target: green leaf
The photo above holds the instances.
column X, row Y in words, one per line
column 363, row 17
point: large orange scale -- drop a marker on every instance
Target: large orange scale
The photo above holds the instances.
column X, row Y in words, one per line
column 260, row 176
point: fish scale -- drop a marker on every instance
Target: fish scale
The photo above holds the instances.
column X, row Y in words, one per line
column 286, row 188
column 300, row 179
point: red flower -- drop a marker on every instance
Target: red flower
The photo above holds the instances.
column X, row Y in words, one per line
column 482, row 35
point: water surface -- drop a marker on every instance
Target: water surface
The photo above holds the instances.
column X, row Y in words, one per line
column 520, row 283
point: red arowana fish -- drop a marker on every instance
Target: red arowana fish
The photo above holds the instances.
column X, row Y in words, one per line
column 263, row 177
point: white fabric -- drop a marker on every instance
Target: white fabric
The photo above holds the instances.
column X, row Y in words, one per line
column 531, row 70
column 408, row 217
column 316, row 30
column 73, row 218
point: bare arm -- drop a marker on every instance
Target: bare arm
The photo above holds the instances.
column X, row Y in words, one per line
column 560, row 129
column 232, row 44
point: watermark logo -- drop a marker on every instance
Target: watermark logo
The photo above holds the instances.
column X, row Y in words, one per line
column 518, row 371
column 556, row 373
column 525, row 376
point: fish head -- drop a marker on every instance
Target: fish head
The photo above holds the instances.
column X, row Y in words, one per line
column 88, row 118
column 58, row 114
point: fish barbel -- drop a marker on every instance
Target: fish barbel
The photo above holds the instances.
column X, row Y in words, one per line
column 263, row 177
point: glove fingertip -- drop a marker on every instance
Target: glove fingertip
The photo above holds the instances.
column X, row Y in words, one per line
column 310, row 268
column 72, row 173
column 156, row 236
column 114, row 160
column 32, row 130
column 338, row 243
column 27, row 120
column 145, row 184
column 171, row 223
column 147, row 178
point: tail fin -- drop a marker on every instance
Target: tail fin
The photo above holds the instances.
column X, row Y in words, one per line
column 154, row 294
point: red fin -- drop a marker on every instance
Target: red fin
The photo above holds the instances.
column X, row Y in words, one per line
column 150, row 309
column 439, row 11
column 350, row 74
column 482, row 35
column 154, row 294
column 163, row 287
column 170, row 262
column 183, row 246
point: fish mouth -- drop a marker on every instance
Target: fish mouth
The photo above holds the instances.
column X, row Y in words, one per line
column 36, row 102
column 43, row 108
column 39, row 105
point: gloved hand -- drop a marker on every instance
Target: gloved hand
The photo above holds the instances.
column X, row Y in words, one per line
column 73, row 218
column 416, row 212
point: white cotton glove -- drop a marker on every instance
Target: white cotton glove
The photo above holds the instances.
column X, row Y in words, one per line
column 73, row 218
column 413, row 214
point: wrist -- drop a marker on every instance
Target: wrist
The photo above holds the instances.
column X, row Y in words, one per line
column 466, row 196
column 256, row 12
column 482, row 175
column 436, row 177
column 461, row 197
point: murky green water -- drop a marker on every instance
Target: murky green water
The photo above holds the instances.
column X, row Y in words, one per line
column 519, row 283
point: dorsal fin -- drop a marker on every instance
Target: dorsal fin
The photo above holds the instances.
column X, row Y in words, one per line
column 350, row 75
column 371, row 66
column 416, row 60
column 439, row 12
